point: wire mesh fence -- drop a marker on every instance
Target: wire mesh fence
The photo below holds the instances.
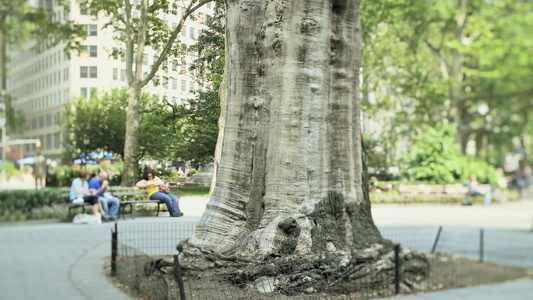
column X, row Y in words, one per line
column 147, row 262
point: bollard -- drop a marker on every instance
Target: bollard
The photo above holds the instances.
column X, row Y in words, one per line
column 397, row 269
column 177, row 268
column 114, row 242
column 481, row 245
column 436, row 240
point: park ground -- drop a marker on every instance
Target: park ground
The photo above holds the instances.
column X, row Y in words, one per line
column 51, row 260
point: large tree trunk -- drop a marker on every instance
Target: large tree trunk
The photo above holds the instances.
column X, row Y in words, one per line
column 290, row 177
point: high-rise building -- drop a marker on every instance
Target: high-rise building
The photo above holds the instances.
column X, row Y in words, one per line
column 43, row 81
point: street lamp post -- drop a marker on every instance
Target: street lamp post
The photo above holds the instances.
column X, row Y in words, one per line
column 3, row 128
column 86, row 141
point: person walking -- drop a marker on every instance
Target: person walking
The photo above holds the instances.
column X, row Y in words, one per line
column 151, row 183
column 39, row 170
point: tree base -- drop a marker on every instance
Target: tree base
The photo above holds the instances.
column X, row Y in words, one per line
column 372, row 270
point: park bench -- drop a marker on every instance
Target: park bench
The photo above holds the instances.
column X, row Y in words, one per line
column 443, row 193
column 129, row 196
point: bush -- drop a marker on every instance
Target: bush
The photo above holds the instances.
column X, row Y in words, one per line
column 10, row 169
column 23, row 204
column 435, row 158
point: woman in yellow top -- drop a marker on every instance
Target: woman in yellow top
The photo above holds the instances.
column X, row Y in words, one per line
column 151, row 183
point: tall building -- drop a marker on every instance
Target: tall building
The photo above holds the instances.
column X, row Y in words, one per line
column 43, row 81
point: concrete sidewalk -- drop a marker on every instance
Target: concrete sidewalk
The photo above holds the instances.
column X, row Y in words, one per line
column 65, row 261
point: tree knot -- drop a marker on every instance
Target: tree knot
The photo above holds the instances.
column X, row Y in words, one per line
column 289, row 226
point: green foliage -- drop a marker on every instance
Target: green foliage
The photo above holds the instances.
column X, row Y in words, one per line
column 61, row 176
column 23, row 204
column 435, row 158
column 418, row 55
column 10, row 169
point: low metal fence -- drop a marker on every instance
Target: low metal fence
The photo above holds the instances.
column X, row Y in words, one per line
column 144, row 258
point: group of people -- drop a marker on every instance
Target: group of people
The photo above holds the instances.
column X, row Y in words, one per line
column 94, row 191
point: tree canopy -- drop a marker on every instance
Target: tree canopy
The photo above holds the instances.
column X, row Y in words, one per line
column 462, row 62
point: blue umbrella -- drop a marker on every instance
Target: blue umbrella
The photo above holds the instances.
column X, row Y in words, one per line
column 30, row 160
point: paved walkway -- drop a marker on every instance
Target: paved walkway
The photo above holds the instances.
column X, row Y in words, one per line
column 46, row 260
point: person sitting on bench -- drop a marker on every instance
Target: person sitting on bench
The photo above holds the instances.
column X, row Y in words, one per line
column 151, row 183
column 473, row 190
column 80, row 190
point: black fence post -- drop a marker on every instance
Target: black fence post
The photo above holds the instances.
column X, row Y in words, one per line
column 397, row 269
column 436, row 240
column 481, row 245
column 114, row 242
column 178, row 276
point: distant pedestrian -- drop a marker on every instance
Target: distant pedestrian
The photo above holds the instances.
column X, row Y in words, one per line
column 39, row 170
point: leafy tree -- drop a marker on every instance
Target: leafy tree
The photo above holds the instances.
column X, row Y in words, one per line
column 449, row 59
column 137, row 34
column 199, row 126
column 103, row 120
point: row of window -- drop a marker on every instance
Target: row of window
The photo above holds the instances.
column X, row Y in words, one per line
column 159, row 79
column 48, row 142
column 44, row 102
column 90, row 51
column 88, row 72
column 44, row 82
column 44, row 64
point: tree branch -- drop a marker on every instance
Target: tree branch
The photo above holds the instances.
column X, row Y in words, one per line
column 155, row 67
column 129, row 43
column 496, row 96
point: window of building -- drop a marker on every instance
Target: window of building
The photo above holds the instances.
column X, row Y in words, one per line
column 174, row 84
column 145, row 59
column 65, row 74
column 48, row 143
column 93, row 51
column 83, row 9
column 65, row 95
column 122, row 75
column 84, row 92
column 183, row 30
column 57, row 140
column 165, row 82
column 115, row 74
column 48, row 120
column 191, row 33
column 41, row 121
column 174, row 66
column 84, row 72
column 183, row 85
column 92, row 29
column 93, row 72
column 34, row 123
column 191, row 84
column 57, row 117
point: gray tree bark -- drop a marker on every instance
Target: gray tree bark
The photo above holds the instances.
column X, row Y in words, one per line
column 289, row 180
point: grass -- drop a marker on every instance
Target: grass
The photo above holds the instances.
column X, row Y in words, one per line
column 191, row 191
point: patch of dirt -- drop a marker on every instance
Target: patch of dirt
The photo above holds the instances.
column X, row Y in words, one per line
column 147, row 278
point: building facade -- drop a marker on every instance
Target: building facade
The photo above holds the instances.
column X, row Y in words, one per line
column 44, row 81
